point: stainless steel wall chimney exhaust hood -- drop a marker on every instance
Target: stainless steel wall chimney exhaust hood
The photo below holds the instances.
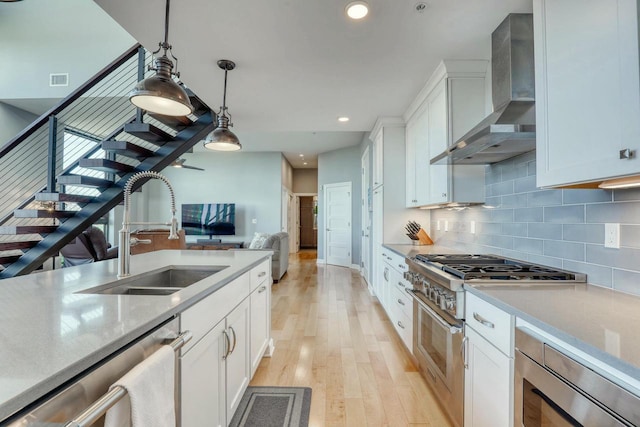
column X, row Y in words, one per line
column 510, row 129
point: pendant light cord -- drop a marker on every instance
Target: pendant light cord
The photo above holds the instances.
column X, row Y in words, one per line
column 165, row 45
column 224, row 95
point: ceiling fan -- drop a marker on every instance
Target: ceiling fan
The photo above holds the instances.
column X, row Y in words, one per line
column 179, row 163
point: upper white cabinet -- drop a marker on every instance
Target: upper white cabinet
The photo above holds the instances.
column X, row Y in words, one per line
column 450, row 104
column 587, row 90
column 378, row 159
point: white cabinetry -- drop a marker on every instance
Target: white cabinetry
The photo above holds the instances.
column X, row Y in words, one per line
column 451, row 103
column 260, row 303
column 393, row 297
column 231, row 331
column 378, row 159
column 587, row 90
column 488, row 380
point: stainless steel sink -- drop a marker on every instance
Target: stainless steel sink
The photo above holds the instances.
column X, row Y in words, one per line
column 158, row 282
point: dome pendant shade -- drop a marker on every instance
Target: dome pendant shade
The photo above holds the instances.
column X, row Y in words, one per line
column 221, row 138
column 160, row 94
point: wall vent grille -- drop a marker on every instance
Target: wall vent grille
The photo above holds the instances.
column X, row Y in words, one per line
column 59, row 79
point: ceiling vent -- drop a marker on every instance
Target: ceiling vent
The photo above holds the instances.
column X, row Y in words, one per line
column 59, row 79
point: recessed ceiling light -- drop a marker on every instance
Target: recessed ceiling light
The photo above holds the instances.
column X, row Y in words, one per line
column 421, row 7
column 357, row 9
column 305, row 163
column 301, row 155
column 343, row 119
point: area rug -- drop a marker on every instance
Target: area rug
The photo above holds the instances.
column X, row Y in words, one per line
column 273, row 407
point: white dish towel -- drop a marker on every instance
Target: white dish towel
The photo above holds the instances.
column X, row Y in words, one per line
column 150, row 386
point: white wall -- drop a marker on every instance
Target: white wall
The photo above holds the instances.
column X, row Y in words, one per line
column 13, row 120
column 341, row 166
column 62, row 36
column 305, row 180
column 250, row 180
column 287, row 174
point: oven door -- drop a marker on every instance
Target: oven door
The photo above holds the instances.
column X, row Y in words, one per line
column 548, row 391
column 437, row 345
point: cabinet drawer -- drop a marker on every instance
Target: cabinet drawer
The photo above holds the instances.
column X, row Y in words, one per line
column 260, row 273
column 403, row 325
column 204, row 315
column 489, row 321
column 402, row 301
column 394, row 260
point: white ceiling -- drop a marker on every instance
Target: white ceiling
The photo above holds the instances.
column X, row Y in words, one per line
column 302, row 63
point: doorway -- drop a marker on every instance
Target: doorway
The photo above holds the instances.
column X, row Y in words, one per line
column 308, row 209
column 337, row 216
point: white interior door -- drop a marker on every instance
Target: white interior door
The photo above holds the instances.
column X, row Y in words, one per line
column 337, row 208
column 365, row 261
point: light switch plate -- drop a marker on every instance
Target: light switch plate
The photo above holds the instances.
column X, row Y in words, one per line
column 472, row 227
column 446, row 225
column 438, row 225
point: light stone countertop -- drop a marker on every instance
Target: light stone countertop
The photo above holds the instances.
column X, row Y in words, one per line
column 50, row 333
column 599, row 321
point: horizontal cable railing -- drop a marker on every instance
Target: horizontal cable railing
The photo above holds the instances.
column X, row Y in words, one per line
column 77, row 125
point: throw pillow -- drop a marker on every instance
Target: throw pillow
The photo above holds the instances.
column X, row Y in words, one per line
column 258, row 240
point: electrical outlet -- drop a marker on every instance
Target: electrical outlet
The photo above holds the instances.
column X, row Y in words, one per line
column 438, row 225
column 254, row 221
column 472, row 227
column 612, row 236
column 446, row 226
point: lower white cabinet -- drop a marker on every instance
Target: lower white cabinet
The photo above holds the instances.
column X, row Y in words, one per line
column 488, row 378
column 487, row 384
column 260, row 325
column 231, row 331
column 202, row 371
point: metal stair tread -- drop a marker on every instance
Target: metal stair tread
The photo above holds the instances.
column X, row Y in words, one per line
column 63, row 197
column 175, row 122
column 106, row 165
column 127, row 149
column 9, row 259
column 42, row 213
column 24, row 244
column 27, row 229
column 148, row 132
column 84, row 181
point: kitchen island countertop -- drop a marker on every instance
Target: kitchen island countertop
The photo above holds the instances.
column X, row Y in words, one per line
column 51, row 333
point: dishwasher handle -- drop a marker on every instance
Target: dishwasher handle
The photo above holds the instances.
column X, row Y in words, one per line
column 109, row 399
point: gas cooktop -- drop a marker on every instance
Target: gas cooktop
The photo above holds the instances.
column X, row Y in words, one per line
column 491, row 267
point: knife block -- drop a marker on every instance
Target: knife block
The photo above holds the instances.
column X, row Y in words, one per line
column 424, row 238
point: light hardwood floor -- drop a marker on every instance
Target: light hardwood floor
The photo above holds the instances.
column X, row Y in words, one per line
column 331, row 335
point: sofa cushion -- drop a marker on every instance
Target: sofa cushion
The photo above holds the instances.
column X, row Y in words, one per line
column 258, row 240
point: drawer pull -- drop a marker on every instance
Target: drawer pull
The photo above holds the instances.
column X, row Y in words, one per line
column 262, row 274
column 400, row 284
column 401, row 266
column 483, row 321
column 262, row 289
column 400, row 324
column 400, row 302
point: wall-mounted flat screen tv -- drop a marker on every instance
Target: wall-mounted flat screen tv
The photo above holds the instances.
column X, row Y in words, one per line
column 209, row 219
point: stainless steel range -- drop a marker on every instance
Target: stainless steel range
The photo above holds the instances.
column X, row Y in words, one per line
column 438, row 295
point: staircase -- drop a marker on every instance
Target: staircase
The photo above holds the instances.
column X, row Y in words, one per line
column 69, row 168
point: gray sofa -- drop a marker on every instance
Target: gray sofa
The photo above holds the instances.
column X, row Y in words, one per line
column 279, row 244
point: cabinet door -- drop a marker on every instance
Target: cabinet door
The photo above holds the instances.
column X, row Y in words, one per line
column 260, row 323
column 422, row 156
column 238, row 361
column 488, row 395
column 587, row 89
column 378, row 159
column 202, row 372
column 438, row 142
column 377, row 216
column 410, row 141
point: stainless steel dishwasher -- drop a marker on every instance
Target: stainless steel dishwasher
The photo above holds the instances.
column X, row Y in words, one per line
column 84, row 400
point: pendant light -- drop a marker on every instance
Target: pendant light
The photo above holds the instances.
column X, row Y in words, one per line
column 160, row 94
column 222, row 139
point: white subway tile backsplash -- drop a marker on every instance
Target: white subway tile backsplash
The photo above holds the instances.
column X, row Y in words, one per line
column 559, row 228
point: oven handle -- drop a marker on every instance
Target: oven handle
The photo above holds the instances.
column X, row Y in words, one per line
column 452, row 329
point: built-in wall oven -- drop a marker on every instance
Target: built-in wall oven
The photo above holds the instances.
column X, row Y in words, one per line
column 550, row 390
column 438, row 294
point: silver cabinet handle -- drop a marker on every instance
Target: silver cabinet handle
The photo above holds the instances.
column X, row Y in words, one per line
column 262, row 274
column 463, row 350
column 400, row 324
column 227, row 345
column 401, row 302
column 386, row 274
column 234, row 340
column 262, row 289
column 401, row 266
column 483, row 321
column 401, row 285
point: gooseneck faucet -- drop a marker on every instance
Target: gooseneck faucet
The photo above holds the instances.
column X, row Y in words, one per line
column 124, row 253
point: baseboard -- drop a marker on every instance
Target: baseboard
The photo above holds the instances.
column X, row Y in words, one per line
column 270, row 348
column 355, row 267
column 320, row 261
